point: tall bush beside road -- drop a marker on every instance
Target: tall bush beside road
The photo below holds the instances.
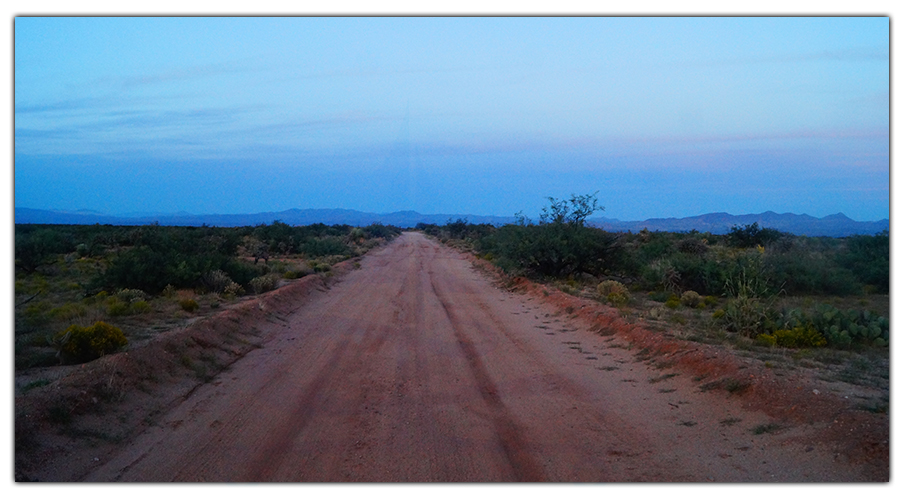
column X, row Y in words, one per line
column 559, row 245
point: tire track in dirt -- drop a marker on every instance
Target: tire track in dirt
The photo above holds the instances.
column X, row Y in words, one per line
column 524, row 467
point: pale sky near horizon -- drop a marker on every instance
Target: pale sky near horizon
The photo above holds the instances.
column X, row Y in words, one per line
column 663, row 117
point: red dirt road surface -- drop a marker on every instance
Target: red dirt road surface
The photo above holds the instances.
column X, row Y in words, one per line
column 417, row 368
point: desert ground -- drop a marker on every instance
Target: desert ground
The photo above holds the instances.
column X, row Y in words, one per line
column 413, row 365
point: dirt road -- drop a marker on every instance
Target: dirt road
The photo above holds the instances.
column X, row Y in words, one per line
column 416, row 368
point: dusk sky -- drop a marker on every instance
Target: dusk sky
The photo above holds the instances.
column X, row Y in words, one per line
column 662, row 117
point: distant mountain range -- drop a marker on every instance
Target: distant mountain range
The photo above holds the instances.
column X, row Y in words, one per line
column 717, row 223
column 836, row 225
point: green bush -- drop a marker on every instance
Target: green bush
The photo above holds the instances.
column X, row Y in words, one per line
column 327, row 245
column 140, row 307
column 319, row 267
column 868, row 258
column 798, row 337
column 746, row 315
column 551, row 249
column 298, row 272
column 766, row 339
column 618, row 299
column 560, row 245
column 189, row 305
column 691, row 299
column 131, row 295
column 801, row 273
column 82, row 344
column 115, row 307
column 36, row 245
column 68, row 311
column 262, row 284
column 752, row 235
column 234, row 290
column 610, row 286
column 216, row 280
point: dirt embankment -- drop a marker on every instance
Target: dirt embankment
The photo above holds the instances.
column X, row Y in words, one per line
column 417, row 368
column 88, row 410
column 860, row 436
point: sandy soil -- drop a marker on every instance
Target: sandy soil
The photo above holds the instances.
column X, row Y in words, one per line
column 418, row 368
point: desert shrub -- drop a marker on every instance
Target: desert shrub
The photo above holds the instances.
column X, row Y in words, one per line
column 766, row 339
column 319, row 267
column 177, row 256
column 662, row 274
column 82, row 250
column 752, row 235
column 868, row 258
column 692, row 245
column 216, row 280
column 188, row 305
column 618, row 299
column 691, row 299
column 655, row 313
column 262, row 284
column 239, row 271
column 115, row 307
column 36, row 245
column 552, row 249
column 79, row 344
column 37, row 313
column 610, row 286
column 299, row 271
column 456, row 229
column 141, row 268
column 699, row 272
column 806, row 273
column 68, row 311
column 356, row 235
column 378, row 230
column 140, row 307
column 673, row 302
column 747, row 275
column 560, row 245
column 799, row 337
column 614, row 292
column 131, row 295
column 326, row 245
column 746, row 315
column 234, row 289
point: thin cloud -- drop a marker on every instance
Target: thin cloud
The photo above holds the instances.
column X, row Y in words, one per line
column 61, row 106
column 182, row 74
column 858, row 54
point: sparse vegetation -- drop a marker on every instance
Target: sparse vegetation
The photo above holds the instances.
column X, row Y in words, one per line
column 734, row 282
column 78, row 344
column 144, row 279
column 790, row 301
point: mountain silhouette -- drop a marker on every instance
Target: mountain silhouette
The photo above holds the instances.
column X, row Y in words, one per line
column 836, row 225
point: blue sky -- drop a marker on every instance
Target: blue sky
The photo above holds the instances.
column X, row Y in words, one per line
column 663, row 117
